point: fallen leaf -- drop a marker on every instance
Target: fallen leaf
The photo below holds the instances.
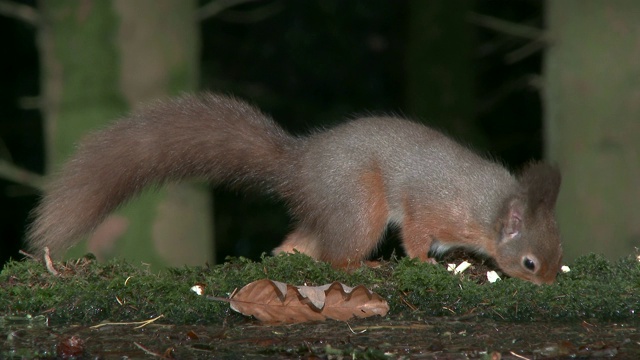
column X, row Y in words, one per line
column 274, row 301
column 343, row 302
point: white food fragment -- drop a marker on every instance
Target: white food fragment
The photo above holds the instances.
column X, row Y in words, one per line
column 451, row 267
column 565, row 269
column 198, row 289
column 462, row 267
column 492, row 276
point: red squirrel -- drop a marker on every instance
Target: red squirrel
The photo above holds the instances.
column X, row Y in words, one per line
column 343, row 186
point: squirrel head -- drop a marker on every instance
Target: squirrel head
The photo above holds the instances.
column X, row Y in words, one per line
column 529, row 240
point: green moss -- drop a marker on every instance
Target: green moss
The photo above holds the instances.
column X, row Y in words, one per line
column 594, row 288
column 91, row 292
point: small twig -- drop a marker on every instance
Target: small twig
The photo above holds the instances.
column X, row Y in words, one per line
column 215, row 7
column 406, row 302
column 147, row 322
column 49, row 263
column 22, row 12
column 497, row 313
column 518, row 356
column 233, row 293
column 446, row 308
column 507, row 27
column 395, row 327
column 24, row 253
column 147, row 351
column 354, row 332
column 139, row 323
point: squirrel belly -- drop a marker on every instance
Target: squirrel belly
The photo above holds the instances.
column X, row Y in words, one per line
column 343, row 185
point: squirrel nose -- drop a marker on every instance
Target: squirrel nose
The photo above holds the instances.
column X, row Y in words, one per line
column 548, row 278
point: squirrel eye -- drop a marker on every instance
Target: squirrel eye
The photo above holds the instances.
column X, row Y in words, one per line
column 529, row 264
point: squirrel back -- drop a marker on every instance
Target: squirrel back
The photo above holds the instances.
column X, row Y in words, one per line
column 344, row 186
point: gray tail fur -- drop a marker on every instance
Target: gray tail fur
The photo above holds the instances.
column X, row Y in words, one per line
column 211, row 137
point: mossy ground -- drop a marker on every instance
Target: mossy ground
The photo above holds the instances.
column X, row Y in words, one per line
column 89, row 292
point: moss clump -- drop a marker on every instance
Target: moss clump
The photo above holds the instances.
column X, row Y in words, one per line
column 594, row 288
column 89, row 292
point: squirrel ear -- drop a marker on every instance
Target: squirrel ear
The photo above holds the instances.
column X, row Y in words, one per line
column 512, row 221
column 542, row 184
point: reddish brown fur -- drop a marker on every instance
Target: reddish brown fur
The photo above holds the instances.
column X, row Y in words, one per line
column 423, row 225
column 376, row 212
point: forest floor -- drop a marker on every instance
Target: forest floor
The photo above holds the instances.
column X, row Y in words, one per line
column 116, row 309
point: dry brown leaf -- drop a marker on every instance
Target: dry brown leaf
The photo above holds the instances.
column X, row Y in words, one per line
column 274, row 301
column 343, row 302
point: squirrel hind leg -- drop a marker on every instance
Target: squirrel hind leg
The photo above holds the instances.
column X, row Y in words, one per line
column 356, row 231
column 347, row 237
column 347, row 253
column 301, row 241
column 343, row 241
column 343, row 236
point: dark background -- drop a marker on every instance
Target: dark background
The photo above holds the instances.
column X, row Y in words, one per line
column 309, row 64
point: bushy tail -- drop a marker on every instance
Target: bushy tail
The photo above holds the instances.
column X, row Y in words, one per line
column 212, row 137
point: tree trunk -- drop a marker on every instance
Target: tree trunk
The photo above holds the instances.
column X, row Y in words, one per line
column 592, row 112
column 438, row 65
column 99, row 60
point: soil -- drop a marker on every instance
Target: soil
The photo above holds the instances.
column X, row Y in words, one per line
column 373, row 338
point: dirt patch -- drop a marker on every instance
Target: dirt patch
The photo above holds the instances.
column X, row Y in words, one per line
column 432, row 338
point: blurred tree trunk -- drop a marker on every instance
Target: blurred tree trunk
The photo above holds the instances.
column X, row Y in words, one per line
column 99, row 60
column 592, row 110
column 438, row 66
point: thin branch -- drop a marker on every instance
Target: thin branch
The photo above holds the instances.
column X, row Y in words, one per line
column 252, row 16
column 525, row 51
column 508, row 88
column 507, row 27
column 21, row 176
column 215, row 7
column 22, row 12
